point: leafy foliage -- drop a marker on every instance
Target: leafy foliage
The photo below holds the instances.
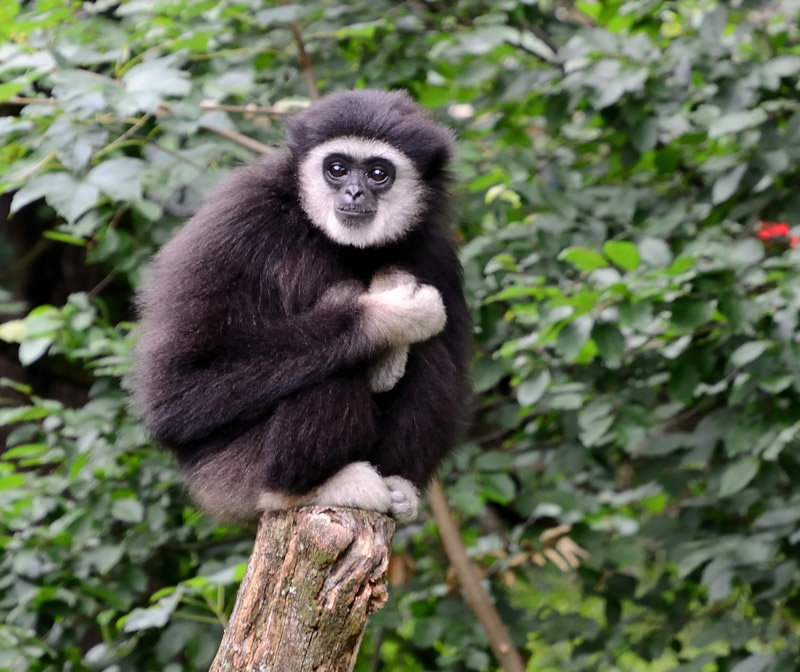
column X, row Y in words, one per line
column 636, row 371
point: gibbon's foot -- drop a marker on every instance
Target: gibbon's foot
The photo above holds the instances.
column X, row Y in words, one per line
column 358, row 486
column 405, row 498
column 387, row 371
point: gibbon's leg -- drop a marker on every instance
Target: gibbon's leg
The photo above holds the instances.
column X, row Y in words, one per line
column 310, row 436
column 316, row 432
column 421, row 417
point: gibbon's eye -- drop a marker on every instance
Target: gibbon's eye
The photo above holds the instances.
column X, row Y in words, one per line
column 337, row 170
column 378, row 175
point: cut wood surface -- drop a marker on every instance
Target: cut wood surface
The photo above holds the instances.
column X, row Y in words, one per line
column 314, row 576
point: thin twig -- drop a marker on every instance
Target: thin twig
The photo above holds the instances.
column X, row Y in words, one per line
column 303, row 58
column 100, row 286
column 250, row 108
column 38, row 249
column 34, row 168
column 504, row 650
column 242, row 140
column 375, row 664
column 22, row 100
column 125, row 136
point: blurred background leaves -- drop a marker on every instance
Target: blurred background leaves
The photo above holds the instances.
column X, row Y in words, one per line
column 621, row 166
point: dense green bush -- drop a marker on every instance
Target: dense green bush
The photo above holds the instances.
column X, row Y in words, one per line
column 636, row 371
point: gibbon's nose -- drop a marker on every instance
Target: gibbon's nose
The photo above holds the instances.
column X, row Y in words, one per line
column 355, row 192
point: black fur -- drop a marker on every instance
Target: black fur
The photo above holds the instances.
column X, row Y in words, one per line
column 242, row 368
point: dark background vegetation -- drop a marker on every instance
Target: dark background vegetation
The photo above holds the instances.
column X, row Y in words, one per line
column 628, row 487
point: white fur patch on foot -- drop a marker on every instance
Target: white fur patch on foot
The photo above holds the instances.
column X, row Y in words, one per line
column 386, row 372
column 271, row 500
column 358, row 486
column 405, row 498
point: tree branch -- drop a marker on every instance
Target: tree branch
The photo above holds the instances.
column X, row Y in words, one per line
column 303, row 58
column 314, row 576
column 242, row 140
column 504, row 650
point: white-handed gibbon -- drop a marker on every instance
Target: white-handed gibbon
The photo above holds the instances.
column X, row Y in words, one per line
column 304, row 338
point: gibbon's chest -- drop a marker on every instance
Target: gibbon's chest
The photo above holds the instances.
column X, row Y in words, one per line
column 295, row 279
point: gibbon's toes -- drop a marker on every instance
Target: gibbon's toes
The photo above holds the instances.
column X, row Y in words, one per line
column 357, row 486
column 389, row 278
column 405, row 499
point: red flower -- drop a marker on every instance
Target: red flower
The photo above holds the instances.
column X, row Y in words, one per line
column 767, row 230
column 775, row 233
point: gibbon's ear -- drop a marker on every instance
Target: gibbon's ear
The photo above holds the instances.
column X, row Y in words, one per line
column 439, row 161
column 295, row 129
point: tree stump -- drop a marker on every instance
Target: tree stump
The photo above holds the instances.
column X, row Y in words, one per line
column 314, row 576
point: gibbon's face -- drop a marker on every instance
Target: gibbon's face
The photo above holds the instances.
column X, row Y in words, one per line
column 360, row 192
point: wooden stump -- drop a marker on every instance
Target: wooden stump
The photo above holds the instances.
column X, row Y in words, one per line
column 314, row 576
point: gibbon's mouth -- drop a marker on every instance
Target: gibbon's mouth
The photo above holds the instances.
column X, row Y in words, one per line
column 353, row 216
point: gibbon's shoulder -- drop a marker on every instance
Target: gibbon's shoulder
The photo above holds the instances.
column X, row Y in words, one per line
column 251, row 193
column 253, row 202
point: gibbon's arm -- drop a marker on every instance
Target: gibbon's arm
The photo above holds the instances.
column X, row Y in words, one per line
column 187, row 392
column 425, row 411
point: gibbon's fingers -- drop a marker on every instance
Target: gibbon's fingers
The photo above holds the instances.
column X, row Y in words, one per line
column 387, row 371
column 389, row 278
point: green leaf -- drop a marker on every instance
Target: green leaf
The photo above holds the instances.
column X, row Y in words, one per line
column 609, row 341
column 10, row 89
column 11, row 482
column 533, row 389
column 12, row 331
column 622, row 253
column 119, row 179
column 738, row 475
column 749, row 352
column 681, row 266
column 494, row 460
column 273, row 15
column 756, row 662
column 156, row 616
column 583, row 259
column 572, row 338
column 499, row 487
column 727, row 185
column 34, row 349
column 655, row 252
column 26, row 450
column 359, row 30
column 128, row 510
column 736, row 122
column 486, row 373
column 689, row 314
column 65, row 238
column 778, row 518
column 62, row 191
column 9, row 416
column 147, row 81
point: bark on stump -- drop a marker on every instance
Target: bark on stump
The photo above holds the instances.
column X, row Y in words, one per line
column 314, row 576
